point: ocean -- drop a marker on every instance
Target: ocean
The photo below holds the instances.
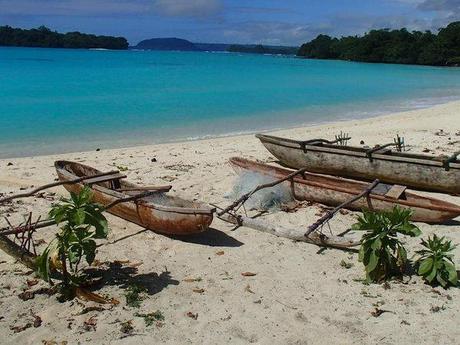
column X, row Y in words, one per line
column 64, row 100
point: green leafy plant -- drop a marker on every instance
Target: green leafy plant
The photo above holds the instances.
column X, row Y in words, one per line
column 435, row 263
column 134, row 295
column 81, row 223
column 381, row 252
column 150, row 318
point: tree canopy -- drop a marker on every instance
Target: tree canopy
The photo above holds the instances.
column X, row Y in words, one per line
column 390, row 46
column 45, row 38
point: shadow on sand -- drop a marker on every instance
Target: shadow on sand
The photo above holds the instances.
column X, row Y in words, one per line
column 212, row 237
column 124, row 276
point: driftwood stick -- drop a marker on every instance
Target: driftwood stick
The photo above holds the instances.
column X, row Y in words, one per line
column 152, row 188
column 331, row 213
column 14, row 250
column 246, row 196
column 54, row 184
column 293, row 234
column 24, row 228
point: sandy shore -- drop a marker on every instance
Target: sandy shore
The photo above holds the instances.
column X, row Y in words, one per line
column 299, row 295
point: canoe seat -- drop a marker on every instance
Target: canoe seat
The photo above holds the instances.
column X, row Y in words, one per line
column 392, row 191
column 396, row 191
column 106, row 178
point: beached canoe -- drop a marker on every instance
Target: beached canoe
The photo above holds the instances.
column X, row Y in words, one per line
column 333, row 191
column 418, row 171
column 158, row 212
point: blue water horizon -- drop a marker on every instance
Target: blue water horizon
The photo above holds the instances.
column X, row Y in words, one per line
column 65, row 100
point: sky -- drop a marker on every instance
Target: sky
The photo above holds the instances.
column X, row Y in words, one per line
column 283, row 22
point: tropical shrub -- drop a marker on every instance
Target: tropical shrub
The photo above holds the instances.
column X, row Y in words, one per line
column 381, row 251
column 81, row 223
column 435, row 263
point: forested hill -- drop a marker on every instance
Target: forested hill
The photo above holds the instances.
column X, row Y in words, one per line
column 167, row 44
column 45, row 38
column 390, row 46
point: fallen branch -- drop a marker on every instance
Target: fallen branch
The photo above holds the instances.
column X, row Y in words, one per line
column 23, row 228
column 293, row 234
column 54, row 184
column 14, row 250
column 246, row 196
column 331, row 213
column 152, row 188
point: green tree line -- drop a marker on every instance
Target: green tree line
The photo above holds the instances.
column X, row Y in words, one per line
column 390, row 46
column 45, row 38
column 261, row 49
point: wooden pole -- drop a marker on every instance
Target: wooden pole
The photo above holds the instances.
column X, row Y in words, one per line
column 54, row 184
column 293, row 234
column 151, row 188
column 331, row 213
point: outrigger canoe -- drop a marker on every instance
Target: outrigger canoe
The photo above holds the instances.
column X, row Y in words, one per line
column 158, row 212
column 333, row 191
column 417, row 171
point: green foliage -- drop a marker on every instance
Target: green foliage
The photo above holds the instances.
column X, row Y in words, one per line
column 81, row 223
column 134, row 295
column 390, row 46
column 381, row 252
column 435, row 263
column 150, row 318
column 120, row 167
column 45, row 38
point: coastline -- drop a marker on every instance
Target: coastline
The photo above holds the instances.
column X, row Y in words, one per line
column 347, row 119
column 298, row 295
column 428, row 112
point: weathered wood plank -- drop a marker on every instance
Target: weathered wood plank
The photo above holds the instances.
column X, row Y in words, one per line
column 104, row 178
column 396, row 191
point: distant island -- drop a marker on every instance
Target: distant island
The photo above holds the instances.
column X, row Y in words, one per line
column 390, row 46
column 166, row 44
column 184, row 45
column 43, row 37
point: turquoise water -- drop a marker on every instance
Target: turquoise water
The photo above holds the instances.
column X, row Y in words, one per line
column 59, row 100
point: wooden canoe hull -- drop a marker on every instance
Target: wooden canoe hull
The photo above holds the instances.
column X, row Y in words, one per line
column 159, row 218
column 333, row 191
column 415, row 171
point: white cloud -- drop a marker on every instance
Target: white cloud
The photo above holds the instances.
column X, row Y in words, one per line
column 452, row 6
column 73, row 7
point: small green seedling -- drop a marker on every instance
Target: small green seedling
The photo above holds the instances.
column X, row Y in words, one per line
column 435, row 263
column 81, row 223
column 134, row 295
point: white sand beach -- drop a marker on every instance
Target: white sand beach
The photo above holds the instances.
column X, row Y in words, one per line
column 299, row 293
